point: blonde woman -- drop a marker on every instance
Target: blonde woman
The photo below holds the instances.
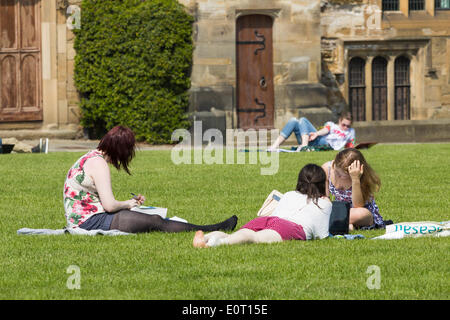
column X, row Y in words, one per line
column 351, row 179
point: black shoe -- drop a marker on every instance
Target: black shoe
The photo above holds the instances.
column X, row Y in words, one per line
column 231, row 223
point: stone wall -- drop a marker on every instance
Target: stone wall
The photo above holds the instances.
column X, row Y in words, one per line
column 71, row 93
column 296, row 54
column 313, row 41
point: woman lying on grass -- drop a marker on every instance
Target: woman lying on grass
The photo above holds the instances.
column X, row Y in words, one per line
column 89, row 202
column 351, row 179
column 302, row 214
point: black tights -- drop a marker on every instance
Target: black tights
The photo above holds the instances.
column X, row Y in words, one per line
column 135, row 222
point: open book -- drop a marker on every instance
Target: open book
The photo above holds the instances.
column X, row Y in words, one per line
column 151, row 210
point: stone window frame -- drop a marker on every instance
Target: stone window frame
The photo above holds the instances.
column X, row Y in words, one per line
column 438, row 8
column 419, row 3
column 402, row 86
column 390, row 3
column 404, row 7
column 379, row 67
column 415, row 50
column 361, row 86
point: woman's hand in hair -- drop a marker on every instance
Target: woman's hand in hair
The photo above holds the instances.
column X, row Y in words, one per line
column 355, row 170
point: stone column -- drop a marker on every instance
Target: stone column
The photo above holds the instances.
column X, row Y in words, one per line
column 62, row 66
column 404, row 7
column 391, row 88
column 49, row 65
column 72, row 96
column 368, row 70
column 429, row 7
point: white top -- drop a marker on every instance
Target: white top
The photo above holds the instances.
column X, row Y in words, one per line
column 338, row 138
column 296, row 207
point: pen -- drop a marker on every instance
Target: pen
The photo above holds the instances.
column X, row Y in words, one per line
column 134, row 196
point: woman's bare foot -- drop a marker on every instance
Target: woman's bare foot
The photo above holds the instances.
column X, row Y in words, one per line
column 300, row 147
column 276, row 145
column 199, row 240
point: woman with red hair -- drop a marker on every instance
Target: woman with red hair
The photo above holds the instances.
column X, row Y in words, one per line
column 89, row 202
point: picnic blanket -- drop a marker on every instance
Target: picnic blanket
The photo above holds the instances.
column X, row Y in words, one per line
column 81, row 231
column 407, row 230
column 347, row 236
column 74, row 231
column 416, row 229
column 292, row 149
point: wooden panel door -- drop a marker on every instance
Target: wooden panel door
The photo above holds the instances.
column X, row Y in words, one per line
column 254, row 58
column 20, row 60
column 379, row 89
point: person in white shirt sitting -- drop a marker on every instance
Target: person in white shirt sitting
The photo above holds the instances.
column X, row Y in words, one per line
column 336, row 136
column 303, row 214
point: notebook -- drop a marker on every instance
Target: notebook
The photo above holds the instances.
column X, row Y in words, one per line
column 151, row 210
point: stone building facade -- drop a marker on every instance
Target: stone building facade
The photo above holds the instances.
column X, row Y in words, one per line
column 386, row 61
column 256, row 63
column 225, row 90
column 403, row 51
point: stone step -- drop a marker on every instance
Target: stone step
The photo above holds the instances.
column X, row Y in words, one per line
column 403, row 131
column 30, row 134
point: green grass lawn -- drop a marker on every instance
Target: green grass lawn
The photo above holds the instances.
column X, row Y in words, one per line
column 415, row 187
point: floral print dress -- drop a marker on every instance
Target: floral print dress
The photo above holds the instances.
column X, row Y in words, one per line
column 346, row 196
column 81, row 200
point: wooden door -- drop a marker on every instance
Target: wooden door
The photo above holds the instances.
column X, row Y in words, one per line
column 379, row 89
column 254, row 58
column 357, row 89
column 402, row 89
column 20, row 60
